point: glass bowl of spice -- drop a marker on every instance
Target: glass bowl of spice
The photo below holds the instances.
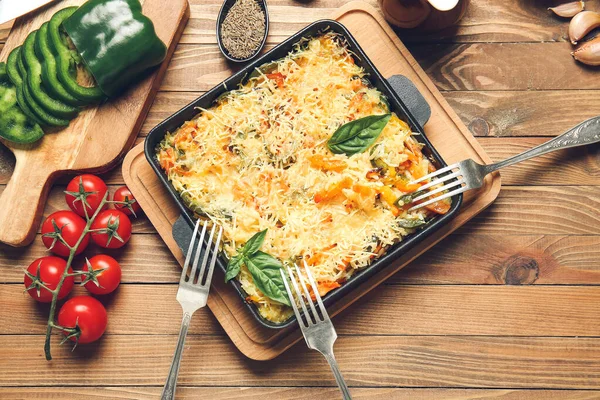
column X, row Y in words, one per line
column 242, row 28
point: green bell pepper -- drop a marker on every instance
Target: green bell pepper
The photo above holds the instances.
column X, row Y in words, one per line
column 49, row 75
column 12, row 70
column 14, row 124
column 66, row 60
column 34, row 82
column 32, row 105
column 116, row 41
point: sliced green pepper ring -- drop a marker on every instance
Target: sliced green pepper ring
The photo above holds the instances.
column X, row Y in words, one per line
column 34, row 82
column 64, row 60
column 12, row 69
column 36, row 109
column 49, row 78
column 14, row 124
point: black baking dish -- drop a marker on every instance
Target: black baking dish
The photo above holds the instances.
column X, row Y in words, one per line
column 206, row 100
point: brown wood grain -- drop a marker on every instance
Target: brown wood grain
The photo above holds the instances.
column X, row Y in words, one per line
column 391, row 310
column 291, row 393
column 523, row 113
column 472, row 259
column 542, row 210
column 510, row 66
column 374, row 361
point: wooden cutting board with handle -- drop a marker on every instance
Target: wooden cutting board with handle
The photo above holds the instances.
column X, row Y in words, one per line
column 94, row 142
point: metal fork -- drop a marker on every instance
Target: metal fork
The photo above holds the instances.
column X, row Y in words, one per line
column 469, row 174
column 192, row 293
column 316, row 327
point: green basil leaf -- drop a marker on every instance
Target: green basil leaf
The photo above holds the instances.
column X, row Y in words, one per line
column 411, row 223
column 264, row 269
column 254, row 243
column 358, row 135
column 233, row 267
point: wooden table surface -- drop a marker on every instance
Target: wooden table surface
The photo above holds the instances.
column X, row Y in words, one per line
column 508, row 307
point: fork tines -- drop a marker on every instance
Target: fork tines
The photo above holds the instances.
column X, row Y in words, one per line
column 443, row 177
column 317, row 314
column 200, row 276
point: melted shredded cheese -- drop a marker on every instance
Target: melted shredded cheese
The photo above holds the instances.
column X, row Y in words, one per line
column 258, row 159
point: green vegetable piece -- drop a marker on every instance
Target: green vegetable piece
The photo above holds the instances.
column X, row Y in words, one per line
column 12, row 69
column 264, row 269
column 250, row 247
column 49, row 75
column 8, row 97
column 15, row 126
column 358, row 135
column 233, row 267
column 116, row 41
column 411, row 223
column 38, row 111
column 31, row 104
column 254, row 243
column 65, row 61
column 34, row 82
column 406, row 199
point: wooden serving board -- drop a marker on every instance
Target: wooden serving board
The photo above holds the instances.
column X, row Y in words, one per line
column 95, row 141
column 445, row 130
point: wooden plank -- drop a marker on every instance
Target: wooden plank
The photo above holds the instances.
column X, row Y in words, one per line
column 460, row 259
column 374, row 361
column 507, row 259
column 511, row 66
column 523, row 113
column 478, row 66
column 564, row 167
column 391, row 310
column 560, row 210
column 290, row 393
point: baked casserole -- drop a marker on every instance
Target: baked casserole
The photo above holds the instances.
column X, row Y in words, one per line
column 261, row 163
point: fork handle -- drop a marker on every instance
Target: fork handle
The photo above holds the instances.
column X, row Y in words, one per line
column 168, row 392
column 338, row 376
column 587, row 132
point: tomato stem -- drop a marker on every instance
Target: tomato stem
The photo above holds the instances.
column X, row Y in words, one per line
column 72, row 249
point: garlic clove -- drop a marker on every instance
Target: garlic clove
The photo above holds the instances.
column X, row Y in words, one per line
column 568, row 10
column 588, row 53
column 582, row 24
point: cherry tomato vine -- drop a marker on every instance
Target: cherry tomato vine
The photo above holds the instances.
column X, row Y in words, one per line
column 87, row 275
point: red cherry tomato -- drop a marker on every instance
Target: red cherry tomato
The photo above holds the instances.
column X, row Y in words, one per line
column 114, row 229
column 86, row 313
column 85, row 189
column 103, row 282
column 123, row 194
column 47, row 270
column 70, row 226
